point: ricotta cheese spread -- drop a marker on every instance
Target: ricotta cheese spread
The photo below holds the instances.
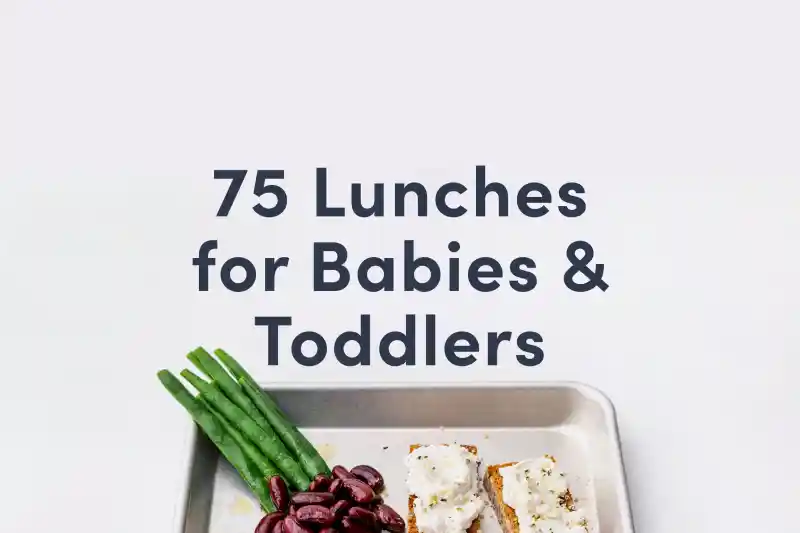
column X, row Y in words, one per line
column 445, row 481
column 540, row 496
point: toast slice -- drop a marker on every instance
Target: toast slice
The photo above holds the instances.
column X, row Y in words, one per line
column 412, row 520
column 507, row 516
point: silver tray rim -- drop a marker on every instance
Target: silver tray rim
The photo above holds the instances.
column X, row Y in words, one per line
column 589, row 391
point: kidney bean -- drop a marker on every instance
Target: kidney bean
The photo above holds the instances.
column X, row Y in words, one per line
column 389, row 519
column 319, row 484
column 279, row 527
column 279, row 493
column 350, row 525
column 312, row 498
column 315, row 514
column 328, row 530
column 339, row 509
column 268, row 523
column 292, row 510
column 359, row 491
column 340, row 472
column 336, row 484
column 369, row 475
column 364, row 516
column 292, row 525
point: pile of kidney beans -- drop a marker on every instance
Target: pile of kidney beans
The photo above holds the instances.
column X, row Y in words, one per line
column 347, row 502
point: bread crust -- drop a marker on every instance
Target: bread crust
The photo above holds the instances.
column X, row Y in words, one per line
column 493, row 483
column 412, row 520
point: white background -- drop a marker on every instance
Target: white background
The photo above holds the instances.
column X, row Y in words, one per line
column 681, row 119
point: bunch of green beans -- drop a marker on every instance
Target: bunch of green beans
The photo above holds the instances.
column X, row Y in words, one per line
column 245, row 423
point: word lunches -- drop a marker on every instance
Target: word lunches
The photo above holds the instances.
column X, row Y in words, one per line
column 333, row 269
column 531, row 199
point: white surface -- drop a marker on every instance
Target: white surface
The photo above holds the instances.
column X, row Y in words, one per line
column 580, row 436
column 234, row 511
column 680, row 119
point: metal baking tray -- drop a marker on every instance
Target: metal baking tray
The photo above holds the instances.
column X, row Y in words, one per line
column 375, row 424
